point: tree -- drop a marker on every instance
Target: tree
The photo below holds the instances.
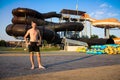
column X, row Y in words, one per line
column 2, row 43
column 94, row 36
column 85, row 36
column 113, row 36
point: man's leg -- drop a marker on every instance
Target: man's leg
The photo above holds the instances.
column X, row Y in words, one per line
column 32, row 60
column 39, row 61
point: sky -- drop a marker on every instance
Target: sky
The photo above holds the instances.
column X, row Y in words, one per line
column 98, row 9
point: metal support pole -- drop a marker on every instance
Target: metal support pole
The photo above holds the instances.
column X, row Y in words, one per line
column 90, row 29
column 106, row 32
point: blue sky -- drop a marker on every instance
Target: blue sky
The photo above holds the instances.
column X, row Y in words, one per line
column 98, row 9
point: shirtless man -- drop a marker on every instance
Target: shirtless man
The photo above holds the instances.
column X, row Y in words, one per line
column 33, row 44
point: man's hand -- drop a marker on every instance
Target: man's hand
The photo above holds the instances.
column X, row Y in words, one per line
column 28, row 43
column 38, row 44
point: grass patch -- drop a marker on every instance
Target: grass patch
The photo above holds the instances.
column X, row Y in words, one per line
column 20, row 49
column 11, row 49
column 50, row 49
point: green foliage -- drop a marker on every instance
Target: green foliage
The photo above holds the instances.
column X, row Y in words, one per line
column 85, row 36
column 44, row 43
column 94, row 36
column 113, row 36
column 2, row 43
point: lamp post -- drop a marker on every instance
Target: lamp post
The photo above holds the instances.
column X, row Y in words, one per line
column 77, row 8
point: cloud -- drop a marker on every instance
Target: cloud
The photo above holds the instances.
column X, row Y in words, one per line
column 104, row 11
column 97, row 14
column 104, row 5
column 112, row 14
column 103, row 14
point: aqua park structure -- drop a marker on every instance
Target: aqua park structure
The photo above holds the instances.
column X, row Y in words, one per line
column 71, row 23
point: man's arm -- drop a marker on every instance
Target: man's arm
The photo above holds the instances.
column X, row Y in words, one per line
column 25, row 37
column 40, row 38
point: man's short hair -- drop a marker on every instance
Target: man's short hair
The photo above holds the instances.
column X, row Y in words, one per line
column 33, row 21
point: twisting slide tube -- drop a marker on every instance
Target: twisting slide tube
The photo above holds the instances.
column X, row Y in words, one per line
column 20, row 30
column 22, row 18
column 24, row 12
column 27, row 20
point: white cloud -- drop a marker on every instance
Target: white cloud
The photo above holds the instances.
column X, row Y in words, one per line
column 97, row 14
column 112, row 14
column 104, row 5
column 104, row 11
column 100, row 12
column 103, row 14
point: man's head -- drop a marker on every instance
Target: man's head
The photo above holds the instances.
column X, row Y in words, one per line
column 33, row 24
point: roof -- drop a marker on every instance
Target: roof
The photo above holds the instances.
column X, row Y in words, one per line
column 73, row 12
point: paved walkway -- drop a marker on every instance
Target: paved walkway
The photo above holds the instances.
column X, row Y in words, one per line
column 16, row 64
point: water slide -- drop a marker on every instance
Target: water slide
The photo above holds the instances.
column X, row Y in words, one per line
column 22, row 18
column 103, row 23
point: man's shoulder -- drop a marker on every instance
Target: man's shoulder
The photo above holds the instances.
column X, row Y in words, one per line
column 29, row 29
column 38, row 30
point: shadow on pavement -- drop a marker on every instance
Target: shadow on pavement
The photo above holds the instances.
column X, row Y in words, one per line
column 67, row 61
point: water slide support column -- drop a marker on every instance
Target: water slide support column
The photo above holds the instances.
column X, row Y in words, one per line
column 106, row 32
column 85, row 28
column 90, row 29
